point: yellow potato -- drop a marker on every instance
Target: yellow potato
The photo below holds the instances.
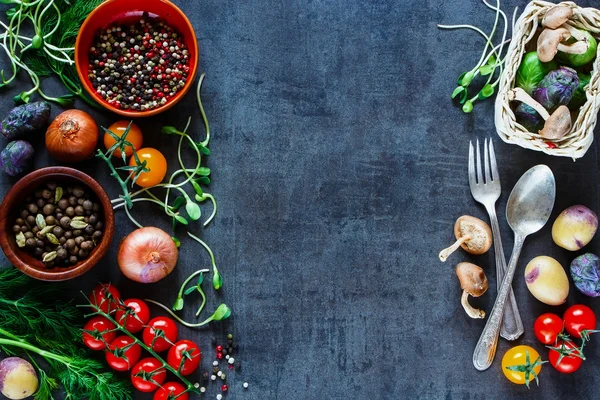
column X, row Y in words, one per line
column 547, row 280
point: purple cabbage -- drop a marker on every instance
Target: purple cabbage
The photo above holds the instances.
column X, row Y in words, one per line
column 16, row 157
column 585, row 271
column 557, row 88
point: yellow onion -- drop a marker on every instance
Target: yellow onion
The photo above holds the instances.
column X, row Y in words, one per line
column 147, row 255
column 72, row 136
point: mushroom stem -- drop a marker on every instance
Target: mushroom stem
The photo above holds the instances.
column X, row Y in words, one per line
column 574, row 48
column 444, row 254
column 519, row 94
column 471, row 312
column 576, row 33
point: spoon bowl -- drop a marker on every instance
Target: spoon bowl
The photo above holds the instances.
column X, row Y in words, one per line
column 531, row 201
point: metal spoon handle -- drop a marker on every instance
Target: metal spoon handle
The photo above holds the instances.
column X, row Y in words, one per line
column 512, row 326
column 485, row 350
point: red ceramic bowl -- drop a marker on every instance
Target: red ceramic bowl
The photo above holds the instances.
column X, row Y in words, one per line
column 112, row 11
column 15, row 198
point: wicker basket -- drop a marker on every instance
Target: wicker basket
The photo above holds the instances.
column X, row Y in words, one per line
column 576, row 142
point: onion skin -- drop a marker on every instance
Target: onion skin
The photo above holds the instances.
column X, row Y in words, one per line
column 147, row 255
column 72, row 137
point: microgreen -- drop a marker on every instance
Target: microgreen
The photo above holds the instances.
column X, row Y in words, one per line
column 54, row 25
column 490, row 61
column 221, row 313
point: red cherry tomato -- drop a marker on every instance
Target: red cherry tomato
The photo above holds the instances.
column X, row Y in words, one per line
column 547, row 327
column 184, row 356
column 106, row 297
column 123, row 353
column 578, row 318
column 96, row 333
column 160, row 334
column 134, row 315
column 171, row 391
column 569, row 363
column 148, row 374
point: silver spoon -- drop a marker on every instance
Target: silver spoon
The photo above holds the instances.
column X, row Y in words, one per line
column 527, row 211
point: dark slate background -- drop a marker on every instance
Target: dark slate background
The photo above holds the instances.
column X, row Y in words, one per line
column 340, row 165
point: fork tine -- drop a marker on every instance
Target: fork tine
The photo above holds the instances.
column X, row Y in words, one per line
column 486, row 161
column 479, row 173
column 472, row 181
column 494, row 166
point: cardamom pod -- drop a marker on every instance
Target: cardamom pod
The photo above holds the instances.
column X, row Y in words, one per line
column 46, row 230
column 20, row 239
column 78, row 224
column 40, row 221
column 52, row 239
column 58, row 194
column 49, row 257
column 79, row 218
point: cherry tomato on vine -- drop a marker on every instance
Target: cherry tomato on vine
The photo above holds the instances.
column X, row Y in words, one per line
column 578, row 318
column 568, row 363
column 148, row 374
column 96, row 333
column 134, row 137
column 184, row 356
column 123, row 353
column 155, row 162
column 160, row 333
column 547, row 327
column 134, row 315
column 171, row 391
column 521, row 364
column 106, row 297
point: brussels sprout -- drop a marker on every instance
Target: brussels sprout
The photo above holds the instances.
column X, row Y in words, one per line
column 25, row 119
column 585, row 271
column 528, row 117
column 16, row 157
column 532, row 71
column 579, row 98
column 557, row 88
column 578, row 60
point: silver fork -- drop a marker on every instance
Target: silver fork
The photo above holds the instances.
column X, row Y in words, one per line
column 487, row 192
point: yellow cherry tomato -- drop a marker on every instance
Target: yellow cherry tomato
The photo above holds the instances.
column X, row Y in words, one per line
column 521, row 364
column 134, row 137
column 155, row 162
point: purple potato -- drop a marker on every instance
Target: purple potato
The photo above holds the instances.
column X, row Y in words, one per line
column 574, row 227
column 585, row 271
column 18, row 379
column 16, row 157
column 25, row 119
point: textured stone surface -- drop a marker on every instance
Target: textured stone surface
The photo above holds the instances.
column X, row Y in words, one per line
column 340, row 166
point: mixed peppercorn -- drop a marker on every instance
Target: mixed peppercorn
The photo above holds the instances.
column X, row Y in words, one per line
column 59, row 227
column 139, row 66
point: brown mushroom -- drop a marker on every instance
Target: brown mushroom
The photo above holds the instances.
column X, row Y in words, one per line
column 556, row 126
column 556, row 16
column 548, row 42
column 473, row 282
column 472, row 234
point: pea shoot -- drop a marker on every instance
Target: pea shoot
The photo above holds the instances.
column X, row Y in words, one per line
column 490, row 61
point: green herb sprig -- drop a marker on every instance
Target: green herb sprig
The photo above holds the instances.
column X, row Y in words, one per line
column 30, row 325
column 50, row 50
column 491, row 60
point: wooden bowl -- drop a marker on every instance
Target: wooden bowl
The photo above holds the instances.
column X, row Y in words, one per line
column 15, row 198
column 112, row 11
